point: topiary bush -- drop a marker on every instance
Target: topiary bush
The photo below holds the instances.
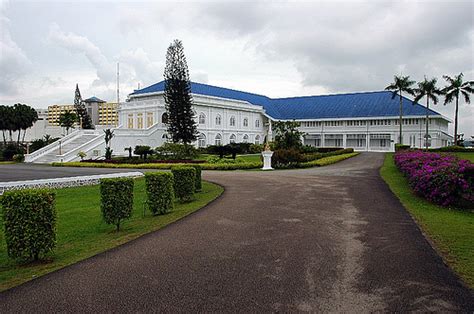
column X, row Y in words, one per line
column 184, row 183
column 176, row 151
column 286, row 158
column 29, row 218
column 116, row 200
column 160, row 192
column 198, row 184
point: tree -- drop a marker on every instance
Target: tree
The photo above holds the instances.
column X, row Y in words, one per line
column 427, row 88
column 181, row 124
column 401, row 84
column 287, row 135
column 5, row 113
column 67, row 120
column 109, row 134
column 452, row 92
column 29, row 117
column 85, row 121
column 143, row 151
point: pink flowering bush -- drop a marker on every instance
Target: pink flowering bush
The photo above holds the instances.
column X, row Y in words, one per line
column 440, row 178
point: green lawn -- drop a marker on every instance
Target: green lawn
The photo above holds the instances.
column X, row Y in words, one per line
column 467, row 156
column 451, row 230
column 81, row 233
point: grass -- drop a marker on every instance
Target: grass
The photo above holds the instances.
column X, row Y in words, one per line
column 450, row 229
column 463, row 155
column 7, row 162
column 81, row 233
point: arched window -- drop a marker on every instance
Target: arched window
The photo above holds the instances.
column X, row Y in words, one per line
column 257, row 123
column 202, row 118
column 218, row 140
column 218, row 119
column 232, row 138
column 246, row 122
column 246, row 138
column 164, row 118
column 232, row 121
column 202, row 140
column 257, row 139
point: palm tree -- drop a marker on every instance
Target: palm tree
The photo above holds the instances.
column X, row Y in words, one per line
column 456, row 87
column 67, row 120
column 428, row 89
column 401, row 84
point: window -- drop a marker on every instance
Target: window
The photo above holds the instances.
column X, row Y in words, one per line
column 218, row 140
column 360, row 142
column 338, row 142
column 246, row 122
column 257, row 123
column 202, row 140
column 202, row 118
column 140, row 121
column 232, row 121
column 257, row 139
column 383, row 143
column 164, row 118
column 246, row 138
column 218, row 119
column 130, row 121
column 232, row 138
column 149, row 119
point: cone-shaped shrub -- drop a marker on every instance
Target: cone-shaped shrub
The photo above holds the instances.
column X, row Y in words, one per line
column 184, row 183
column 29, row 220
column 116, row 200
column 160, row 192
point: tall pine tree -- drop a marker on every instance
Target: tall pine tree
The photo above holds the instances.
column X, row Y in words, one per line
column 181, row 124
column 85, row 119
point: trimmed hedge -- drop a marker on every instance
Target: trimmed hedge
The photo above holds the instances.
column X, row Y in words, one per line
column 160, row 193
column 452, row 149
column 326, row 160
column 184, row 183
column 29, row 218
column 116, row 200
column 161, row 166
column 198, row 177
column 401, row 147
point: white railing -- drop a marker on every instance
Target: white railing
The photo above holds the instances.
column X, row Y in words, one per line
column 87, row 146
column 49, row 148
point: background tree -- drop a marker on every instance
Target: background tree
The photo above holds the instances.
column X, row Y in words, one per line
column 85, row 121
column 109, row 134
column 25, row 117
column 287, row 135
column 67, row 120
column 181, row 124
column 5, row 113
column 400, row 85
column 452, row 92
column 427, row 88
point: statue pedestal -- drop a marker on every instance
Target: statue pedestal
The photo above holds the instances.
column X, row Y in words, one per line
column 267, row 160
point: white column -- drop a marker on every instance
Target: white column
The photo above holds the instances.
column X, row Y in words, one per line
column 344, row 140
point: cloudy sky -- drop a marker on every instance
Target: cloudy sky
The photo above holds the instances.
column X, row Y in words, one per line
column 278, row 49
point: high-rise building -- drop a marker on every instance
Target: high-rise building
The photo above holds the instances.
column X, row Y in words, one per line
column 54, row 111
column 108, row 114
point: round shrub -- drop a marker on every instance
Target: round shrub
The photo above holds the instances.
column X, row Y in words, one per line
column 286, row 158
column 159, row 190
column 184, row 183
column 116, row 200
column 29, row 218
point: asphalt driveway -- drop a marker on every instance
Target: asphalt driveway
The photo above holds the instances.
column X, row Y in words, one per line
column 330, row 239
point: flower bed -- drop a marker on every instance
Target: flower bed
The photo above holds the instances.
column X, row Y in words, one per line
column 442, row 179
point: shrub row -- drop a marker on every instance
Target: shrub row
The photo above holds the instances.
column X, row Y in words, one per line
column 452, row 149
column 29, row 215
column 161, row 166
column 292, row 158
column 442, row 179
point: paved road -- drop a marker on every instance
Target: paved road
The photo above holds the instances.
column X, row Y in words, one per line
column 323, row 240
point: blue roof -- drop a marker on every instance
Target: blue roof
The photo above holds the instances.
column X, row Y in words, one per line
column 94, row 99
column 353, row 105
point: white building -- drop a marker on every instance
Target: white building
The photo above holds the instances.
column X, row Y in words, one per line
column 364, row 121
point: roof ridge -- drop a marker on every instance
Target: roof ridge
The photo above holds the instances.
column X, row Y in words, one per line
column 333, row 94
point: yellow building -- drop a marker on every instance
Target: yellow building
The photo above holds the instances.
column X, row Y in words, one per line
column 102, row 114
column 54, row 111
column 108, row 114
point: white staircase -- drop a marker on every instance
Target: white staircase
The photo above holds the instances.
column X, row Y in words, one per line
column 66, row 148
